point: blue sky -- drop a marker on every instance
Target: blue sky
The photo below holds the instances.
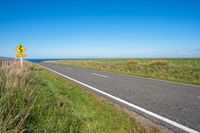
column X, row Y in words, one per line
column 100, row 28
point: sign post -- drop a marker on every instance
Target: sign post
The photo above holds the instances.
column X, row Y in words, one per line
column 21, row 49
column 21, row 60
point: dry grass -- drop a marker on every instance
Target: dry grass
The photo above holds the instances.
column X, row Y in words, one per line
column 133, row 62
column 159, row 63
column 13, row 77
column 16, row 96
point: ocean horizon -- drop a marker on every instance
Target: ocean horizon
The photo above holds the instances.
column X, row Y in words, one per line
column 51, row 59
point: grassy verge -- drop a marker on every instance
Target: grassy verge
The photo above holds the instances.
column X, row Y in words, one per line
column 179, row 70
column 34, row 100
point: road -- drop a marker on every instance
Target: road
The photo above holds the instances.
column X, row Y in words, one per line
column 178, row 103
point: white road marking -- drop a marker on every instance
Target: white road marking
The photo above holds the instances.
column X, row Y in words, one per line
column 99, row 75
column 68, row 68
column 166, row 120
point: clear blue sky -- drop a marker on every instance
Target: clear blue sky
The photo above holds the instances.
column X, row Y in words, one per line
column 100, row 28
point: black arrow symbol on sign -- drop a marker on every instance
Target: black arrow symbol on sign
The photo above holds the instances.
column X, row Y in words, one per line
column 20, row 48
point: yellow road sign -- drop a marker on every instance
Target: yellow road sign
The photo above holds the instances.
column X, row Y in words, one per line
column 20, row 55
column 20, row 48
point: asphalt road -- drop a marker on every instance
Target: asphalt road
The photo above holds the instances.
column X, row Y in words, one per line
column 177, row 102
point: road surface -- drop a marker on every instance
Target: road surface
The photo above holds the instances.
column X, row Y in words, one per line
column 177, row 102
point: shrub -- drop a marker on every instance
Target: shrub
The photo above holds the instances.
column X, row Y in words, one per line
column 133, row 62
column 159, row 63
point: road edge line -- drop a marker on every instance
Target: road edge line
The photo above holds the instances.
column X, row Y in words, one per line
column 168, row 121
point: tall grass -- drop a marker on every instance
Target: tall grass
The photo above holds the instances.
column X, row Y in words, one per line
column 24, row 107
column 184, row 70
column 16, row 96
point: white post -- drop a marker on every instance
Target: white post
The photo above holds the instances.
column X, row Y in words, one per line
column 21, row 60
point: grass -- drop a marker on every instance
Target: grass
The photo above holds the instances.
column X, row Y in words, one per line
column 183, row 70
column 34, row 100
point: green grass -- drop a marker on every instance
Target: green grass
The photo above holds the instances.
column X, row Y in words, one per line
column 183, row 70
column 35, row 100
column 94, row 115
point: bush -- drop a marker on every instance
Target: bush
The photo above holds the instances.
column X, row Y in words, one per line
column 159, row 63
column 133, row 62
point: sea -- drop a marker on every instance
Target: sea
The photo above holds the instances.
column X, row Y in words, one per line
column 43, row 60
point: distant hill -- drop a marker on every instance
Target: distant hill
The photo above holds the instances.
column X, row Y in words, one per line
column 6, row 58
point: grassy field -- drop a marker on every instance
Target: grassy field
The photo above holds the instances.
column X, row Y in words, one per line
column 184, row 70
column 34, row 100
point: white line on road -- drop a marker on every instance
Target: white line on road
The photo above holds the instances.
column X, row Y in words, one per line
column 68, row 68
column 100, row 75
column 166, row 120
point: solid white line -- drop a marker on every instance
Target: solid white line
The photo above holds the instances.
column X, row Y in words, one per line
column 68, row 68
column 173, row 123
column 99, row 75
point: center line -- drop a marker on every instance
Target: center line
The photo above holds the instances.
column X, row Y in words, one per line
column 100, row 75
column 68, row 68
